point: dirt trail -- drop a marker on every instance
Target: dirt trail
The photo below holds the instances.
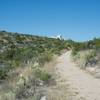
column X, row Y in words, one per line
column 85, row 86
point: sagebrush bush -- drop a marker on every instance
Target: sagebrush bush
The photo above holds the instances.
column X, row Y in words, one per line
column 3, row 74
column 90, row 58
column 45, row 57
column 90, row 55
column 42, row 75
column 74, row 52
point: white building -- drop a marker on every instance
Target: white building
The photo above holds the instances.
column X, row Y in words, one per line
column 58, row 37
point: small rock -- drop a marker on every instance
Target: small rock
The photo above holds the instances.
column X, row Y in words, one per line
column 43, row 98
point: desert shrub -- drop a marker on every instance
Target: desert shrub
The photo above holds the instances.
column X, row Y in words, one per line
column 56, row 51
column 74, row 52
column 90, row 58
column 45, row 57
column 97, row 43
column 90, row 55
column 3, row 74
column 7, row 96
column 42, row 75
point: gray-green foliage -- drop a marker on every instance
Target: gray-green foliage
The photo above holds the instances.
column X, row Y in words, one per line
column 18, row 49
column 90, row 58
column 42, row 75
column 86, row 58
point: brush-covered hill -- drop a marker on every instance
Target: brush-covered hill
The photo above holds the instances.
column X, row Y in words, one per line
column 18, row 49
column 22, row 60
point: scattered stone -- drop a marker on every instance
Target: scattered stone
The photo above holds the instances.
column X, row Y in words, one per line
column 43, row 98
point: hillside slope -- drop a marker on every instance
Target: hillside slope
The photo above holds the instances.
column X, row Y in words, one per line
column 22, row 59
column 20, row 49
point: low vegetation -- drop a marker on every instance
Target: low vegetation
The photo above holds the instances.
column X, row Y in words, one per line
column 18, row 49
column 22, row 59
column 86, row 54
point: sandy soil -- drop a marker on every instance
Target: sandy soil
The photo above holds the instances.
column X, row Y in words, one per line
column 83, row 85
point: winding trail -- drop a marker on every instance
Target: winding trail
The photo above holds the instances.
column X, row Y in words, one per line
column 83, row 84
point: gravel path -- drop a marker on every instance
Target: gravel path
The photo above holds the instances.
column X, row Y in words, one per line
column 85, row 86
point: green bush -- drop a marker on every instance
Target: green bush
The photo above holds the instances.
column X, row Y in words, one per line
column 45, row 57
column 74, row 52
column 42, row 75
column 3, row 74
column 90, row 58
column 90, row 55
